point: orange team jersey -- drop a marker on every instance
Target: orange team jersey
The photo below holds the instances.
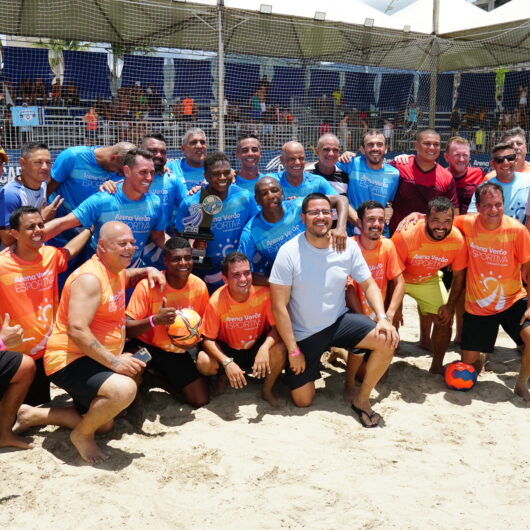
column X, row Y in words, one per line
column 145, row 302
column 108, row 324
column 384, row 264
column 29, row 293
column 238, row 324
column 423, row 257
column 492, row 174
column 493, row 282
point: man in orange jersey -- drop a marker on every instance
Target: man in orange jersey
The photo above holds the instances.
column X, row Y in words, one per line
column 382, row 260
column 424, row 249
column 84, row 352
column 498, row 248
column 16, row 375
column 150, row 311
column 240, row 332
column 29, row 288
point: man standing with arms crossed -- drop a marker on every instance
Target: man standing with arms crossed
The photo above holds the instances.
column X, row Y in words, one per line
column 307, row 287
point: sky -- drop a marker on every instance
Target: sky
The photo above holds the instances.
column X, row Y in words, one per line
column 395, row 5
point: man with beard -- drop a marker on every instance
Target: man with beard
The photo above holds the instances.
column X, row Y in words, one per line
column 308, row 303
column 370, row 179
column 278, row 222
column 424, row 248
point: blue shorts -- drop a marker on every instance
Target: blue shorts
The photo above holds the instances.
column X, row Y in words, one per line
column 348, row 331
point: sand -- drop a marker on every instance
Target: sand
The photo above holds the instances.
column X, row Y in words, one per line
column 443, row 459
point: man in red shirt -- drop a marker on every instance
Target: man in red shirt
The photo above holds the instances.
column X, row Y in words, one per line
column 457, row 155
column 422, row 179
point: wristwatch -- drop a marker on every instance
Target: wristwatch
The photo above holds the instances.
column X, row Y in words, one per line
column 227, row 361
column 384, row 316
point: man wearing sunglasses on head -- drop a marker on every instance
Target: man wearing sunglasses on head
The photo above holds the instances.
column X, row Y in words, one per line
column 515, row 186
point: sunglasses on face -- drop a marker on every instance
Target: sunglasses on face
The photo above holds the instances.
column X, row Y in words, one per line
column 501, row 159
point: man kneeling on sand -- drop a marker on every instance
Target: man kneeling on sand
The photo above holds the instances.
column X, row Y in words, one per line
column 239, row 330
column 84, row 353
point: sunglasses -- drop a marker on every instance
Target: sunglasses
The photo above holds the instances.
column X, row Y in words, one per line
column 501, row 159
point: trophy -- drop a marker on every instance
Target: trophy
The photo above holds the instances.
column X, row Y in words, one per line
column 197, row 225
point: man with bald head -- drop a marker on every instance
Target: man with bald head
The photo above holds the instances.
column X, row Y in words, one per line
column 421, row 179
column 84, row 355
column 328, row 152
column 294, row 181
column 278, row 222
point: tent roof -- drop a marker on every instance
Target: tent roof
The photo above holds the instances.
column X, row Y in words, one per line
column 192, row 26
column 510, row 12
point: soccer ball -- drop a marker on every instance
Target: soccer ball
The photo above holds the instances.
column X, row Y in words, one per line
column 186, row 330
column 460, row 376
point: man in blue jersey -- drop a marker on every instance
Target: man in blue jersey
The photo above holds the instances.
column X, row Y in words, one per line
column 248, row 152
column 515, row 186
column 28, row 189
column 294, row 180
column 78, row 172
column 190, row 168
column 370, row 179
column 132, row 204
column 238, row 207
column 278, row 222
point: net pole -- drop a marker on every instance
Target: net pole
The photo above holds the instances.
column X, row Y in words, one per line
column 435, row 62
column 221, row 74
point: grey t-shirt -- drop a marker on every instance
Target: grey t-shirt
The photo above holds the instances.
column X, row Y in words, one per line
column 318, row 281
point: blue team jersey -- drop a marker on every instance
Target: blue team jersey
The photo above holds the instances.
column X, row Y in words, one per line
column 189, row 176
column 260, row 236
column 249, row 184
column 367, row 184
column 141, row 216
column 14, row 195
column 171, row 192
column 515, row 196
column 238, row 208
column 79, row 176
column 310, row 184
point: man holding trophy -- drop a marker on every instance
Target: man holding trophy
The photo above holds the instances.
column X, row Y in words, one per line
column 214, row 218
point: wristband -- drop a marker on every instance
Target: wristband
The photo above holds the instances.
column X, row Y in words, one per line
column 383, row 316
column 295, row 353
column 152, row 321
column 227, row 361
column 3, row 346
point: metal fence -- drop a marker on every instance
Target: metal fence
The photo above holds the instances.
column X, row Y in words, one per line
column 62, row 133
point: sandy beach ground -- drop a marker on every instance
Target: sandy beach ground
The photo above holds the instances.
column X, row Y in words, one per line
column 444, row 459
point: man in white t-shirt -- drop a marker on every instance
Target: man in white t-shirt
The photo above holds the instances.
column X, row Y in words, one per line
column 307, row 286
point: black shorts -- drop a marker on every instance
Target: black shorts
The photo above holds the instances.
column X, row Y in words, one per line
column 178, row 368
column 39, row 391
column 479, row 333
column 244, row 358
column 82, row 379
column 9, row 365
column 348, row 331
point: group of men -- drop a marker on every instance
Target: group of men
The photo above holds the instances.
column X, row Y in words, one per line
column 277, row 281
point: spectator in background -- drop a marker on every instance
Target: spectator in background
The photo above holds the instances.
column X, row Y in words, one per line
column 455, row 121
column 91, row 127
column 57, row 93
column 189, row 109
column 25, row 90
column 38, row 93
